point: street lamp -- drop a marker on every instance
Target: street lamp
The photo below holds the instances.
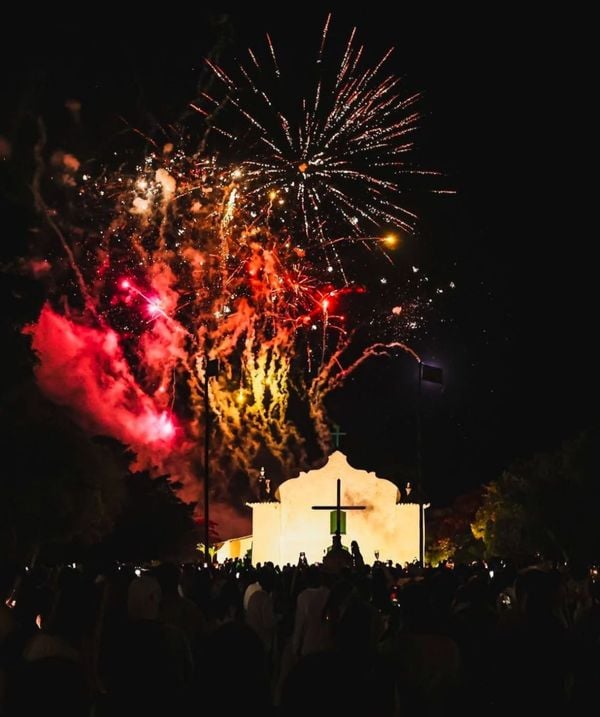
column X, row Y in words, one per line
column 211, row 369
column 431, row 374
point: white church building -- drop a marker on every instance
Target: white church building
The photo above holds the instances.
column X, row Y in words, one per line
column 286, row 524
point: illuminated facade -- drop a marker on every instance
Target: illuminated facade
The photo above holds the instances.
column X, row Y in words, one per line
column 287, row 525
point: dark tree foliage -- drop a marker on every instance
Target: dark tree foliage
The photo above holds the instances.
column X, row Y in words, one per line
column 154, row 524
column 546, row 506
column 449, row 533
column 57, row 485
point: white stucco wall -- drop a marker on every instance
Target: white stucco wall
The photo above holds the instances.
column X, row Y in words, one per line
column 266, row 533
column 234, row 548
column 407, row 527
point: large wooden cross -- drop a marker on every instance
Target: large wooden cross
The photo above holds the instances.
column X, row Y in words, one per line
column 338, row 508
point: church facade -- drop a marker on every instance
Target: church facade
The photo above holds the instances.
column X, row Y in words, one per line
column 286, row 524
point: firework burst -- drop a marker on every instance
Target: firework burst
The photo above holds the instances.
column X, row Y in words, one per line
column 342, row 155
column 186, row 258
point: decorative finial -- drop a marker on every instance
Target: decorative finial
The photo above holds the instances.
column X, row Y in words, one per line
column 263, row 485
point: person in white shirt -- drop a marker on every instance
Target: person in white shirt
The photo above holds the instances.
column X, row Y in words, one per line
column 311, row 631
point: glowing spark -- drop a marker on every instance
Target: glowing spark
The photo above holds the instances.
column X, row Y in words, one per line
column 164, row 428
column 154, row 307
column 230, row 208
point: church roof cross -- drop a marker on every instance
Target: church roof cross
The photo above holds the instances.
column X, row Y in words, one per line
column 336, row 435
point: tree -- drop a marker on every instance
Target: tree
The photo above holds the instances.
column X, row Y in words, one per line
column 503, row 519
column 154, row 525
column 58, row 486
column 449, row 532
column 546, row 505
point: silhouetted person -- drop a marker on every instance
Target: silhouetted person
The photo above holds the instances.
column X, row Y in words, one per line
column 150, row 663
column 175, row 609
column 311, row 631
column 357, row 558
column 338, row 557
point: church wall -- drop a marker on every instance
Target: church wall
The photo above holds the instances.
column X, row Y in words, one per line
column 375, row 528
column 407, row 532
column 234, row 548
column 304, row 530
column 266, row 533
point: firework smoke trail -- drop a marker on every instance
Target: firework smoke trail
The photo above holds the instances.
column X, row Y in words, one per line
column 186, row 268
column 187, row 257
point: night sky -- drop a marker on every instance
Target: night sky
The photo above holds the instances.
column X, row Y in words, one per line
column 501, row 120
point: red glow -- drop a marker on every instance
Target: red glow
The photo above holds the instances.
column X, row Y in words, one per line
column 39, row 267
column 104, row 394
column 154, row 307
column 325, row 304
column 164, row 426
column 125, row 284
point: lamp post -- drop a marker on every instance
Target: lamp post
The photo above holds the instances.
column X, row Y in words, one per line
column 431, row 374
column 420, row 468
column 211, row 369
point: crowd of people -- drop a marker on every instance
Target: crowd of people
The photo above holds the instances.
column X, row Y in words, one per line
column 322, row 639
